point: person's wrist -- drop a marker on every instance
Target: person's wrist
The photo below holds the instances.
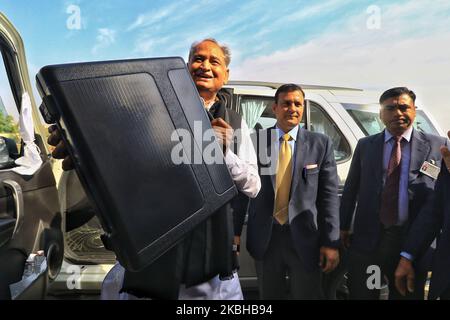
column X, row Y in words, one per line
column 406, row 256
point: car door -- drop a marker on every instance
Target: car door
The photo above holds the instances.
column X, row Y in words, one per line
column 30, row 219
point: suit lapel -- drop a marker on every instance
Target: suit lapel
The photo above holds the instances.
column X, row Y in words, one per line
column 271, row 140
column 420, row 150
column 301, row 149
column 376, row 161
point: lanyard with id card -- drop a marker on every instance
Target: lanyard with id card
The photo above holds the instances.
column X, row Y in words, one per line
column 430, row 169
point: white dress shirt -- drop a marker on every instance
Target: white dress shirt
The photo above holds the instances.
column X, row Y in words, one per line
column 244, row 166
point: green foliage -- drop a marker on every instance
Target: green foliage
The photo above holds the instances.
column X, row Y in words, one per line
column 7, row 124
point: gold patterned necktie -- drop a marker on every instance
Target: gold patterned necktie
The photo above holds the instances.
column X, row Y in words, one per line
column 283, row 181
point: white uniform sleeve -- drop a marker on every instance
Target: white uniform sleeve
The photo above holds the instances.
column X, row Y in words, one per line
column 244, row 166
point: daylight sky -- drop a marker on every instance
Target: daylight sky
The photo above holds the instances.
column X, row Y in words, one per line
column 364, row 44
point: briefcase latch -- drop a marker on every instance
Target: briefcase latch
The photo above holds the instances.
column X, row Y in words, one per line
column 48, row 110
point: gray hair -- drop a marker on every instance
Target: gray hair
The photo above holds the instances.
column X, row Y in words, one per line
column 225, row 49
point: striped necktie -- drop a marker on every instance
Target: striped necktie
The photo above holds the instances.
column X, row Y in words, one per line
column 390, row 195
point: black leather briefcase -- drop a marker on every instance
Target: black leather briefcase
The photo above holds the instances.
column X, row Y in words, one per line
column 119, row 119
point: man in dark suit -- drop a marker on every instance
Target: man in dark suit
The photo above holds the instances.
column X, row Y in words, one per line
column 293, row 224
column 388, row 185
column 433, row 221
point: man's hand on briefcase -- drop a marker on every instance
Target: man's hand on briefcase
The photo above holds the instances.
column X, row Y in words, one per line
column 60, row 151
column 224, row 132
column 329, row 259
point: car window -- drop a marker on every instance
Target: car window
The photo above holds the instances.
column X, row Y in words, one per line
column 423, row 123
column 257, row 111
column 322, row 123
column 9, row 123
column 368, row 119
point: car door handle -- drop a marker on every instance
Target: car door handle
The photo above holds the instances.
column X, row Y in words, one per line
column 18, row 201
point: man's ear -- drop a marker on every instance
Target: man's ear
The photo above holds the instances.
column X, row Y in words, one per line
column 227, row 77
column 274, row 106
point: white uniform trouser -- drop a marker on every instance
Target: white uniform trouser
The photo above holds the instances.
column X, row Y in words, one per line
column 214, row 289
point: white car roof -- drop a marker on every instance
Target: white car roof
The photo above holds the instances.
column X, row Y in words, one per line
column 330, row 93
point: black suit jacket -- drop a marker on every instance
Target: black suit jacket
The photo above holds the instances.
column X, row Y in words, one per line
column 313, row 204
column 434, row 221
column 364, row 185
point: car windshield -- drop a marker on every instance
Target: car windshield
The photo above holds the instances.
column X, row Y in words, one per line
column 368, row 119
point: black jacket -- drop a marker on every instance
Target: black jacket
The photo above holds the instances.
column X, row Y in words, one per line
column 364, row 185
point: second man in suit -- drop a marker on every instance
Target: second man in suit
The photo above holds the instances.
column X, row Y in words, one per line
column 388, row 185
column 293, row 224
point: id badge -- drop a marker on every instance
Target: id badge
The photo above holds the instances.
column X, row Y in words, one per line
column 430, row 170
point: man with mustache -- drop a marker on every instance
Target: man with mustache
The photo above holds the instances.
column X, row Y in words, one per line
column 387, row 184
column 206, row 271
column 293, row 223
column 432, row 222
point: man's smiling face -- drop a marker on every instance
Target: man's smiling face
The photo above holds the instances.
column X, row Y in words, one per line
column 288, row 109
column 208, row 67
